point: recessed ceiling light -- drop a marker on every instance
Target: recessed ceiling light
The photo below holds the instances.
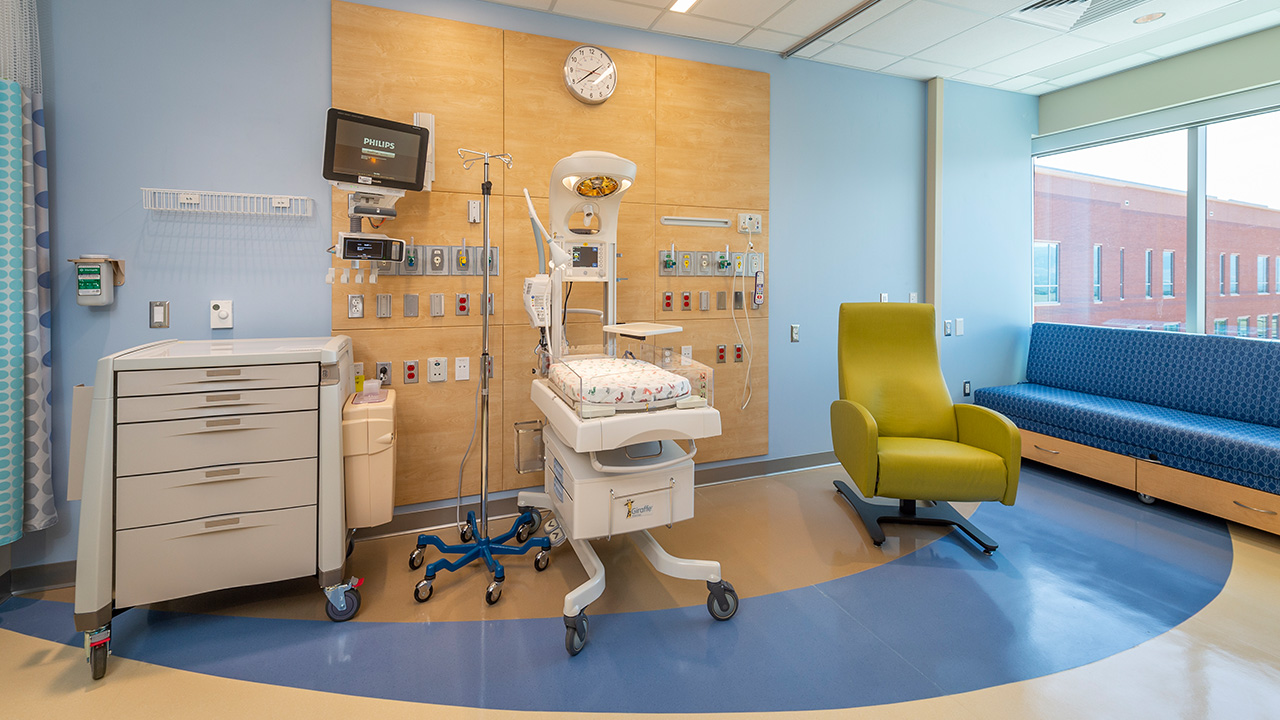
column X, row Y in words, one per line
column 1148, row 18
column 682, row 5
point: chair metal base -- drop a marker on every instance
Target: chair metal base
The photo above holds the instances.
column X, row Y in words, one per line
column 907, row 512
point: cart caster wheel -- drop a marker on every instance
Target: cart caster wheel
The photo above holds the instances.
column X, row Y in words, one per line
column 537, row 517
column 524, row 532
column 422, row 592
column 465, row 534
column 541, row 560
column 98, row 661
column 573, row 642
column 494, row 593
column 1146, row 499
column 415, row 558
column 352, row 598
column 731, row 600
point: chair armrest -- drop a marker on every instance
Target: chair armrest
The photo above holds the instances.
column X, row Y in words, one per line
column 855, row 438
column 988, row 430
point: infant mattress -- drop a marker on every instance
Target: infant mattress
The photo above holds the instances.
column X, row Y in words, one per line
column 620, row 382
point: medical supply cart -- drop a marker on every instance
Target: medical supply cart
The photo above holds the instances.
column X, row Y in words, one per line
column 212, row 464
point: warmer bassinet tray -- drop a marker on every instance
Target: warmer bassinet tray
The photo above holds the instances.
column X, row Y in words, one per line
column 621, row 384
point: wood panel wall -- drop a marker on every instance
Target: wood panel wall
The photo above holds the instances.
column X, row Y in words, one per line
column 699, row 135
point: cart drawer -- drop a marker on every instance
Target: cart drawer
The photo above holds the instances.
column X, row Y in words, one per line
column 194, row 405
column 164, row 562
column 173, row 497
column 1080, row 459
column 143, row 448
column 221, row 379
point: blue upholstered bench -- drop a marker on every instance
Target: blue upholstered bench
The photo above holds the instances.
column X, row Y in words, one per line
column 1193, row 419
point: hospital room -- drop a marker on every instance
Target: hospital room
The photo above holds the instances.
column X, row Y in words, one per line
column 691, row 358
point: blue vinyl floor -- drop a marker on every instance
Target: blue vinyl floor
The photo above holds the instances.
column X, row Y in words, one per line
column 1083, row 572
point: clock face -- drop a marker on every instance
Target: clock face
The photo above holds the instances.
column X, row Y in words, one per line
column 590, row 74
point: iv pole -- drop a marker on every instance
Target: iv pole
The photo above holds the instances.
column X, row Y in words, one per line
column 482, row 547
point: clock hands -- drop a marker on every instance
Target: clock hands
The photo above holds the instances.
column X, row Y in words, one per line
column 593, row 72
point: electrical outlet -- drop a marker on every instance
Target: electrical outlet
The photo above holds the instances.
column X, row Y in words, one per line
column 462, row 368
column 686, row 300
column 383, row 372
column 358, row 368
column 667, row 301
column 795, row 333
column 463, row 306
column 737, row 353
column 721, row 351
column 913, row 297
column 946, row 328
column 967, row 388
column 750, row 223
column 686, row 351
column 437, row 370
column 410, row 372
column 884, row 297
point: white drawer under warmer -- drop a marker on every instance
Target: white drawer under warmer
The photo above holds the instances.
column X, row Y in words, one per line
column 143, row 448
column 176, row 496
column 164, row 562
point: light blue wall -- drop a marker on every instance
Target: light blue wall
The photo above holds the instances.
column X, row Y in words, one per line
column 230, row 96
column 986, row 227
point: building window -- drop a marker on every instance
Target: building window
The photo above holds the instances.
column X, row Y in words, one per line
column 1242, row 326
column 1168, row 273
column 1235, row 274
column 1222, row 273
column 1264, row 274
column 1173, row 326
column 1148, row 273
column 1121, row 273
column 1220, row 326
column 1262, row 326
column 1275, row 325
column 1044, row 272
column 1097, row 273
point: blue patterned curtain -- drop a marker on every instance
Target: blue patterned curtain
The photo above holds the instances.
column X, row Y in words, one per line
column 26, row 480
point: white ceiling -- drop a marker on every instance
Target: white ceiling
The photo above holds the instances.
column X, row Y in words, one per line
column 983, row 42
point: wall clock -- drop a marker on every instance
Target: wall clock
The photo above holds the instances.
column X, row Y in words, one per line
column 590, row 74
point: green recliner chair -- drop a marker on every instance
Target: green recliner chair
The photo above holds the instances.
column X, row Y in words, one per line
column 897, row 433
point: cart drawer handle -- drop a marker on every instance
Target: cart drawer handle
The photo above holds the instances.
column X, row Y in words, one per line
column 222, row 373
column 222, row 398
column 221, row 473
column 222, row 523
column 1257, row 510
column 227, row 422
column 1051, row 452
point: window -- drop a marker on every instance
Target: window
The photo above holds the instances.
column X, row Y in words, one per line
column 1044, row 272
column 1264, row 274
column 1242, row 326
column 1235, row 274
column 1168, row 273
column 1148, row 273
column 1172, row 326
column 1275, row 325
column 1102, row 207
column 1262, row 326
column 1222, row 273
column 1220, row 326
column 1097, row 273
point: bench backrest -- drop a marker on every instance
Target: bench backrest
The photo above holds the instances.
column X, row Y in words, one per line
column 1221, row 376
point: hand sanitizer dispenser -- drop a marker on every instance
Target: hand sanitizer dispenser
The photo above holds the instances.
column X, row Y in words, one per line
column 96, row 279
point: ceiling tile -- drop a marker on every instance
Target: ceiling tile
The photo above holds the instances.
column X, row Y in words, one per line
column 863, row 19
column 1051, row 51
column 769, row 40
column 813, row 48
column 990, row 7
column 1104, row 69
column 1019, row 84
column 914, row 27
column 921, row 70
column 608, row 11
column 1120, row 27
column 1042, row 88
column 989, row 41
column 803, row 17
column 744, row 12
column 1219, row 34
column 652, row 3
column 857, row 57
column 978, row 77
column 701, row 28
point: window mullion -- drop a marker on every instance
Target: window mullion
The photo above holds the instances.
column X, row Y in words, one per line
column 1196, row 217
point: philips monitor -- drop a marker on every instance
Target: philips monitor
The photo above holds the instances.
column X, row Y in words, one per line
column 374, row 152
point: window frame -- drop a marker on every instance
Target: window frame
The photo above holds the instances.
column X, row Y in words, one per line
column 1167, row 288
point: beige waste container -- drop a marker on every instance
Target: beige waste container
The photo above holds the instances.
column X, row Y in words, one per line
column 369, row 454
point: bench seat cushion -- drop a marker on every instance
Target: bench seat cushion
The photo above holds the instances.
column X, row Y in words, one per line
column 1239, row 452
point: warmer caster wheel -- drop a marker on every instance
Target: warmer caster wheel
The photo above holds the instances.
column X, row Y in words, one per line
column 415, row 558
column 351, row 600
column 722, row 601
column 575, row 633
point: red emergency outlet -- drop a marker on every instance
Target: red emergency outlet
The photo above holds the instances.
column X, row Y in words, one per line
column 666, row 301
column 686, row 300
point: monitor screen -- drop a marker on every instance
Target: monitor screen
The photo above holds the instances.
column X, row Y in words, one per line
column 586, row 256
column 373, row 151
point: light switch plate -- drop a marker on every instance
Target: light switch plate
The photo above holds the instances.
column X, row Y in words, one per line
column 959, row 326
column 159, row 313
column 220, row 314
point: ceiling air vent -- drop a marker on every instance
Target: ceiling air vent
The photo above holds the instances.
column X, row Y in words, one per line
column 1068, row 15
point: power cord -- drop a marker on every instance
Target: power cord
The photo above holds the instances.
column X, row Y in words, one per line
column 749, row 343
column 475, row 422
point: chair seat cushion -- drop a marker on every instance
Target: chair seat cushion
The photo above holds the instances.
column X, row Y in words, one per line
column 928, row 469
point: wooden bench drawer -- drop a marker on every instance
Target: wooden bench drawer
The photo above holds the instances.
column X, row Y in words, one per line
column 1215, row 497
column 1091, row 462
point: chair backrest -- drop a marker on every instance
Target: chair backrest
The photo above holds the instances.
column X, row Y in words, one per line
column 888, row 356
